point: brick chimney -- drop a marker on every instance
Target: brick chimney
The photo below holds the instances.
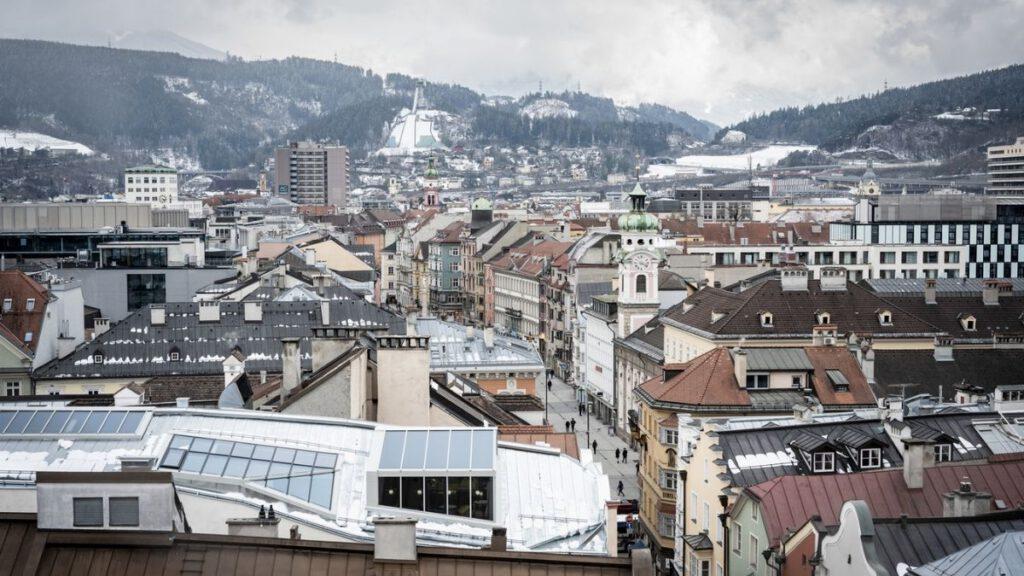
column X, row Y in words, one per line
column 930, row 291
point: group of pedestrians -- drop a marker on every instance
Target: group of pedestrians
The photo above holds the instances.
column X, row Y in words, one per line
column 570, row 425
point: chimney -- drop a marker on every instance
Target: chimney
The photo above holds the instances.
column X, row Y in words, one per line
column 325, row 313
column 310, row 257
column 642, row 564
column 929, row 291
column 291, row 367
column 253, row 311
column 867, row 363
column 100, row 326
column 499, row 539
column 739, row 362
column 917, row 456
column 965, row 502
column 611, row 526
column 395, row 540
column 489, row 337
column 157, row 315
column 833, row 279
column 990, row 293
column 403, row 380
column 470, row 333
column 794, row 279
column 209, row 311
column 943, row 349
column 410, row 325
column 329, row 343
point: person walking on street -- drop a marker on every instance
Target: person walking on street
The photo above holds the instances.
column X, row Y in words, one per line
column 625, row 458
column 618, row 454
column 549, row 384
column 573, row 424
column 621, row 493
column 595, row 446
column 566, row 426
column 637, row 467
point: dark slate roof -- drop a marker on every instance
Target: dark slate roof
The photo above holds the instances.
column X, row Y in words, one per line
column 648, row 339
column 758, row 454
column 987, row 368
column 136, row 348
column 698, row 541
column 585, row 292
column 918, row 541
column 1001, row 555
column 854, row 310
column 947, row 312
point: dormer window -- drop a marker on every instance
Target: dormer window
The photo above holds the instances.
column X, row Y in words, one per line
column 175, row 356
column 970, row 323
column 870, row 458
column 824, row 318
column 767, row 320
column 943, row 452
column 885, row 318
column 823, row 462
column 97, row 358
column 8, row 304
column 30, row 304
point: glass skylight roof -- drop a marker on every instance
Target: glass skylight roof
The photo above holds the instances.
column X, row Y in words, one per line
column 70, row 422
column 303, row 474
column 438, row 450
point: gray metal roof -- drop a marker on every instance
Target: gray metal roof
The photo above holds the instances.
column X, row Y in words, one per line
column 135, row 347
column 943, row 286
column 916, row 542
column 1001, row 555
column 774, row 359
column 453, row 349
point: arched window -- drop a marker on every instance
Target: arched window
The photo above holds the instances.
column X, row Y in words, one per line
column 641, row 284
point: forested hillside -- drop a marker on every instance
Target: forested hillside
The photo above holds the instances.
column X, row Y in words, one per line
column 228, row 113
column 937, row 120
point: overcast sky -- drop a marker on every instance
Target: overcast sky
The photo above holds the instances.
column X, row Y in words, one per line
column 717, row 59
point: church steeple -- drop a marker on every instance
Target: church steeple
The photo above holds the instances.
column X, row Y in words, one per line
column 430, row 185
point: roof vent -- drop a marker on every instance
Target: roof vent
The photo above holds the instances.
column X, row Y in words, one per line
column 794, row 280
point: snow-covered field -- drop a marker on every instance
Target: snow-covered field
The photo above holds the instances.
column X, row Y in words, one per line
column 32, row 141
column 767, row 156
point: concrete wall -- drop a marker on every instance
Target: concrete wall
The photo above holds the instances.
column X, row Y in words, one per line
column 107, row 288
column 156, row 504
column 332, row 398
column 403, row 386
column 54, row 216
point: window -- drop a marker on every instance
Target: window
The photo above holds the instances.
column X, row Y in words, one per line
column 30, row 304
column 767, row 320
column 669, row 436
column 824, row 318
column 798, row 381
column 943, row 452
column 930, row 257
column 888, row 257
column 88, row 512
column 824, row 461
column 753, row 552
column 14, row 389
column 175, row 356
column 757, row 381
column 8, row 303
column 737, row 531
column 641, row 284
column 969, row 323
column 666, row 525
column 885, row 318
column 910, row 257
column 870, row 457
column 124, row 511
column 145, row 289
column 28, row 337
column 97, row 358
column 693, row 507
column 706, row 525
column 667, row 479
column 952, row 257
column 455, row 252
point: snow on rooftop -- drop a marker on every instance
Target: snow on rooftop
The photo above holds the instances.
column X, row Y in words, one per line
column 32, row 141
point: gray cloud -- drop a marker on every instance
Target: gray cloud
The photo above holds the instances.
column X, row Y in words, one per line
column 720, row 59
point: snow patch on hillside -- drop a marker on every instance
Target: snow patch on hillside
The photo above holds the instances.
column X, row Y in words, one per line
column 734, row 137
column 175, row 159
column 764, row 157
column 32, row 141
column 183, row 86
column 548, row 108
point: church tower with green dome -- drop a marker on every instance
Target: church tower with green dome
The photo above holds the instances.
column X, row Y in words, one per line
column 431, row 187
column 639, row 259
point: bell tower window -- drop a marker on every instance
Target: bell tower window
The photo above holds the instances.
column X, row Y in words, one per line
column 641, row 284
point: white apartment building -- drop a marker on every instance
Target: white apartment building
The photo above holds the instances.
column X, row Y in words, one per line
column 1006, row 169
column 151, row 184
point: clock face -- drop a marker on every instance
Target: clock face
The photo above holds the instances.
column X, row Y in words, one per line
column 642, row 261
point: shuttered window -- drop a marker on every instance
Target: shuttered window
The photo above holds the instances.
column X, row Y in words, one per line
column 88, row 512
column 124, row 511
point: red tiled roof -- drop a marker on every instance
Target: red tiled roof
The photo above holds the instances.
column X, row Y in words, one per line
column 531, row 259
column 708, row 379
column 19, row 321
column 788, row 502
column 825, row 358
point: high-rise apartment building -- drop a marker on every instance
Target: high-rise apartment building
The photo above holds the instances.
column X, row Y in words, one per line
column 312, row 173
column 1006, row 169
column 151, row 184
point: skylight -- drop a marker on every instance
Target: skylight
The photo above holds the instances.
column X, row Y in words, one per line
column 438, row 450
column 70, row 422
column 302, row 474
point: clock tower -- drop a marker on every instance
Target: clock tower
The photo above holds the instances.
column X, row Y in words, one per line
column 639, row 260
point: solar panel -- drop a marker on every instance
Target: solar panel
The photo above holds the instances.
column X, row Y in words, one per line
column 67, row 421
column 303, row 474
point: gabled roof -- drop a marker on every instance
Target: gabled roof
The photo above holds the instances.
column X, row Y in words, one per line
column 707, row 380
column 986, row 368
column 19, row 321
column 1000, row 555
column 854, row 310
column 788, row 502
column 948, row 312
